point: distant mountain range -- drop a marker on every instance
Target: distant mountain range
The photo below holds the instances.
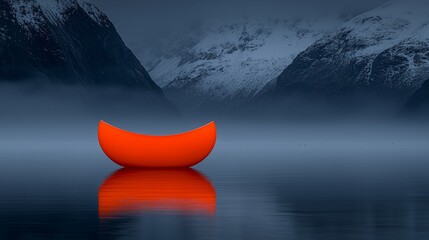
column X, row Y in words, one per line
column 228, row 63
column 382, row 53
column 65, row 42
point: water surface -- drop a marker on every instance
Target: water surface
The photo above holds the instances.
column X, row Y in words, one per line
column 279, row 189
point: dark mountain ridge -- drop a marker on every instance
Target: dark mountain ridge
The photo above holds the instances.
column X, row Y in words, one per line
column 66, row 42
column 377, row 58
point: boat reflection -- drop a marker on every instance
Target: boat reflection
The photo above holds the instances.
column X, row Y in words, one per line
column 129, row 191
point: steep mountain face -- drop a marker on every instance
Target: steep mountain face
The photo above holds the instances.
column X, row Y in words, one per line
column 66, row 42
column 230, row 62
column 384, row 51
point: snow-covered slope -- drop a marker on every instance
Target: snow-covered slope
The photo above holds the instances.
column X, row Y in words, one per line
column 35, row 13
column 65, row 41
column 231, row 61
column 385, row 50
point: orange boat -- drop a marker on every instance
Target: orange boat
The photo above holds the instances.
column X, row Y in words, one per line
column 130, row 149
column 133, row 191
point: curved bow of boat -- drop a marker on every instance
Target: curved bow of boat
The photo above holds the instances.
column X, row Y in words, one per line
column 131, row 149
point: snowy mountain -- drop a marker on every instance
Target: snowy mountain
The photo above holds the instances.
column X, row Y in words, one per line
column 230, row 62
column 384, row 51
column 65, row 42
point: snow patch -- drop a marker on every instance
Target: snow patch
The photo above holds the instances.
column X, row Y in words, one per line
column 93, row 12
column 387, row 26
column 33, row 13
column 27, row 14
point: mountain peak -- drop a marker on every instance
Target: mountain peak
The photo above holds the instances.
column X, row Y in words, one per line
column 34, row 13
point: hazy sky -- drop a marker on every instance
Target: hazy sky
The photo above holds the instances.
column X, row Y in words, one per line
column 140, row 18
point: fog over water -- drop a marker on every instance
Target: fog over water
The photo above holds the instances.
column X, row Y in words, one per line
column 272, row 180
column 273, row 177
column 64, row 114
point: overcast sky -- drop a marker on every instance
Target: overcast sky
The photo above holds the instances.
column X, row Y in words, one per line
column 144, row 18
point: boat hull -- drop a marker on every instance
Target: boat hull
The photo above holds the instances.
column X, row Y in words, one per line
column 130, row 149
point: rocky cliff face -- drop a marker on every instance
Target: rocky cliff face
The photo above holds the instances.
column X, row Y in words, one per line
column 384, row 52
column 65, row 42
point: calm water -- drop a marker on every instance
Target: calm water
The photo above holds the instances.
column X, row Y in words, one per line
column 277, row 190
